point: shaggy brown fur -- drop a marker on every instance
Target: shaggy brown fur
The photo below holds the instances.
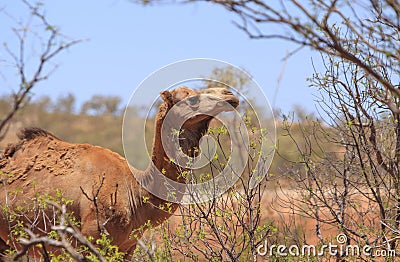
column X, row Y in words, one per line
column 40, row 164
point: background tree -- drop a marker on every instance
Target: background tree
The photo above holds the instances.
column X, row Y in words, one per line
column 65, row 104
column 354, row 187
column 228, row 77
column 31, row 62
column 101, row 105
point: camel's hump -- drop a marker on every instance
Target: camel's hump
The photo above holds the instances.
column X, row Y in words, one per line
column 25, row 134
column 30, row 133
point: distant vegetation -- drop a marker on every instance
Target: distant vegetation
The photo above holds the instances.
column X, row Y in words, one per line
column 97, row 121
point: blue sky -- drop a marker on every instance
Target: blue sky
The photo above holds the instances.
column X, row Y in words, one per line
column 127, row 42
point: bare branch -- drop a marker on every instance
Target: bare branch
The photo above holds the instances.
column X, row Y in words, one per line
column 55, row 44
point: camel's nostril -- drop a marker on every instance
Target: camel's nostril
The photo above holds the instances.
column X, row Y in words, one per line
column 193, row 100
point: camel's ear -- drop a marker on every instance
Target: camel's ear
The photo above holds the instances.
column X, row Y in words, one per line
column 167, row 97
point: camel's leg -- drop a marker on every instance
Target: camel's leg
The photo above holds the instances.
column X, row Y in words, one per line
column 89, row 220
column 90, row 228
column 128, row 248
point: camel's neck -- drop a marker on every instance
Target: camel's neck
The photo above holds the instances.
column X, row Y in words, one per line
column 159, row 157
column 189, row 138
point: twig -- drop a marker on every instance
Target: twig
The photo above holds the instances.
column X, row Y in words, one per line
column 95, row 194
column 65, row 227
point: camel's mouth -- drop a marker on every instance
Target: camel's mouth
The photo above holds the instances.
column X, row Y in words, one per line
column 228, row 104
column 234, row 102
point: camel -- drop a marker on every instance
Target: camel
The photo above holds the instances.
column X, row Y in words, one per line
column 42, row 163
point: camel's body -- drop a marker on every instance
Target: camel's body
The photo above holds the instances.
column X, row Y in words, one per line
column 40, row 164
column 44, row 164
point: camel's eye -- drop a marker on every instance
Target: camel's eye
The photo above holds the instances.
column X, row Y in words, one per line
column 193, row 100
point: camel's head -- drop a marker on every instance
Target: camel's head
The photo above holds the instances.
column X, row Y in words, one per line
column 191, row 111
column 199, row 106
